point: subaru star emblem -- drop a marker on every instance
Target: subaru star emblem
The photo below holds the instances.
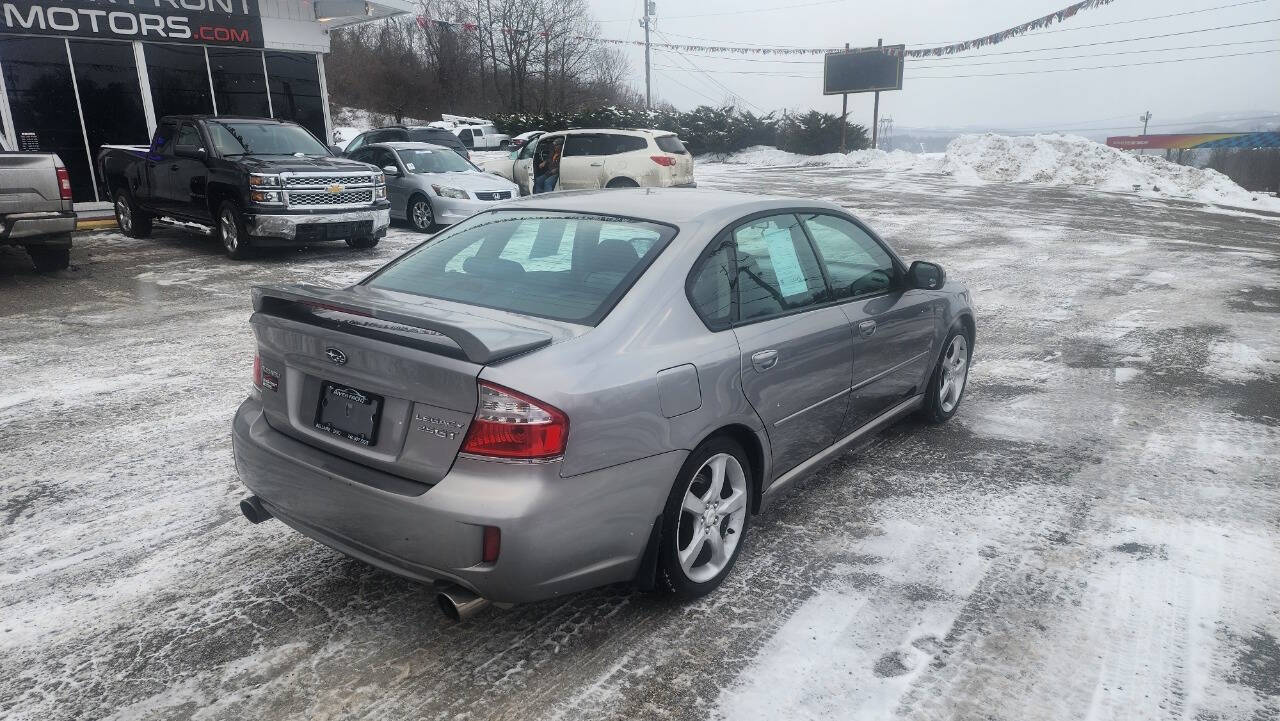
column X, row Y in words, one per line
column 336, row 356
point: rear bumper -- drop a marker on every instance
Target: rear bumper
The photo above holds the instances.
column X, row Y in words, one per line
column 36, row 228
column 303, row 228
column 559, row 535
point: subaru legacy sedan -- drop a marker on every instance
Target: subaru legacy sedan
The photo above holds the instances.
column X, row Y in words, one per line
column 588, row 388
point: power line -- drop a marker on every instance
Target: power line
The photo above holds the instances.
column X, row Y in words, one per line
column 1118, row 22
column 745, row 11
column 998, row 62
column 704, row 73
column 692, row 90
column 992, row 75
column 1056, row 47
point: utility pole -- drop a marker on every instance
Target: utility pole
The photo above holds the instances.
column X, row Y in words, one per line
column 844, row 111
column 875, row 114
column 650, row 9
column 1145, row 118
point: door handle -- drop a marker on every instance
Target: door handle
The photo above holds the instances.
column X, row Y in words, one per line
column 764, row 360
column 173, row 167
column 867, row 328
column 598, row 164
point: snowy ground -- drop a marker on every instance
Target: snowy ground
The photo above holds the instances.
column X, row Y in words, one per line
column 1095, row 535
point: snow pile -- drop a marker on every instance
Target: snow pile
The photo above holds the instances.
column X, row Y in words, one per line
column 1064, row 160
column 769, row 156
column 1073, row 160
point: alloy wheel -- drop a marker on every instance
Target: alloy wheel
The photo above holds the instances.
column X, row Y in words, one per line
column 421, row 215
column 955, row 372
column 230, row 233
column 712, row 514
column 124, row 216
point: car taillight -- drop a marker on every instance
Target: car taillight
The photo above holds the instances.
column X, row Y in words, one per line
column 257, row 371
column 665, row 161
column 64, row 184
column 512, row 425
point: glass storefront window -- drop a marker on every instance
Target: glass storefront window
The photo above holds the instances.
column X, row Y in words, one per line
column 110, row 96
column 295, row 90
column 42, row 100
column 179, row 80
column 239, row 85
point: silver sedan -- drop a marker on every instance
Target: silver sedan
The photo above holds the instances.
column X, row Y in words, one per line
column 431, row 185
column 585, row 388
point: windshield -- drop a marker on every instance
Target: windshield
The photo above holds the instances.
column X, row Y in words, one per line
column 433, row 161
column 263, row 139
column 564, row 266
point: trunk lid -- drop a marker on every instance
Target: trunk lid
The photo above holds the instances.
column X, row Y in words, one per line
column 379, row 377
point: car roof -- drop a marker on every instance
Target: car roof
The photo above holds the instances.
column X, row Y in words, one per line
column 409, row 145
column 667, row 205
column 613, row 131
column 236, row 118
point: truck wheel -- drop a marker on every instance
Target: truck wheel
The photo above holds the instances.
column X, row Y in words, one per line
column 368, row 241
column 420, row 214
column 47, row 260
column 133, row 222
column 231, row 231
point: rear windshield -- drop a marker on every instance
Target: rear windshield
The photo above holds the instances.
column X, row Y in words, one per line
column 670, row 144
column 439, row 137
column 564, row 266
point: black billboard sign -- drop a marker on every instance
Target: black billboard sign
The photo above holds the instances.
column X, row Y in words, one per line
column 863, row 70
column 207, row 22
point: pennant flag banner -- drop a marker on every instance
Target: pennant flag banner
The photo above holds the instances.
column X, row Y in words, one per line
column 993, row 39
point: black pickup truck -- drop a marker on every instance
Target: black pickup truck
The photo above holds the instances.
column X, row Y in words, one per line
column 254, row 181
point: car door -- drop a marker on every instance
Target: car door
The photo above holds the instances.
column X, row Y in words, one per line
column 522, row 170
column 150, row 190
column 398, row 183
column 187, row 174
column 893, row 327
column 796, row 352
column 623, row 158
column 582, row 164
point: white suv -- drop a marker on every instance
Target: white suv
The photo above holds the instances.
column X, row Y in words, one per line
column 600, row 159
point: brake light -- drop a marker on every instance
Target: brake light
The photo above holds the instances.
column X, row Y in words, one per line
column 257, row 371
column 665, row 161
column 64, row 184
column 512, row 425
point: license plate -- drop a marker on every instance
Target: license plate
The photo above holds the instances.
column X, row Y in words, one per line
column 349, row 413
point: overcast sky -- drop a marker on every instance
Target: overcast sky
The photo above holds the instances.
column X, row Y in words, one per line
column 1087, row 99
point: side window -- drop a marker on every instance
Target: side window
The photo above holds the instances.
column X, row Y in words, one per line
column 188, row 136
column 357, row 142
column 625, row 144
column 855, row 262
column 776, row 268
column 528, row 150
column 711, row 290
column 162, row 143
column 582, row 144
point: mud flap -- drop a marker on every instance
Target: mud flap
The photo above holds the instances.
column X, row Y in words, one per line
column 647, row 576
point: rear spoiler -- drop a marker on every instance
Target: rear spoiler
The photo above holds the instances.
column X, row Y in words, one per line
column 482, row 340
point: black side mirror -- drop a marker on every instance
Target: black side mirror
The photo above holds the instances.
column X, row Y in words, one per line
column 188, row 151
column 337, row 151
column 925, row 275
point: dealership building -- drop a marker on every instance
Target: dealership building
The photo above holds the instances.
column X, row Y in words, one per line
column 79, row 74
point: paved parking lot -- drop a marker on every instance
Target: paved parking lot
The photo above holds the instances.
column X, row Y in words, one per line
column 1095, row 535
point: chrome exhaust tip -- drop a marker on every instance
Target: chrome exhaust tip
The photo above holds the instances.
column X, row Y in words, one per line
column 252, row 509
column 458, row 604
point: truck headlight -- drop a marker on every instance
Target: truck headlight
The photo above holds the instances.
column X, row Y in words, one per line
column 263, row 180
column 380, row 179
column 445, row 191
column 380, row 192
column 266, row 197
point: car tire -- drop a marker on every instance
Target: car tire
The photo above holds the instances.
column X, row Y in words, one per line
column 420, row 214
column 133, row 222
column 950, row 377
column 690, row 562
column 622, row 183
column 48, row 260
column 368, row 241
column 230, row 231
